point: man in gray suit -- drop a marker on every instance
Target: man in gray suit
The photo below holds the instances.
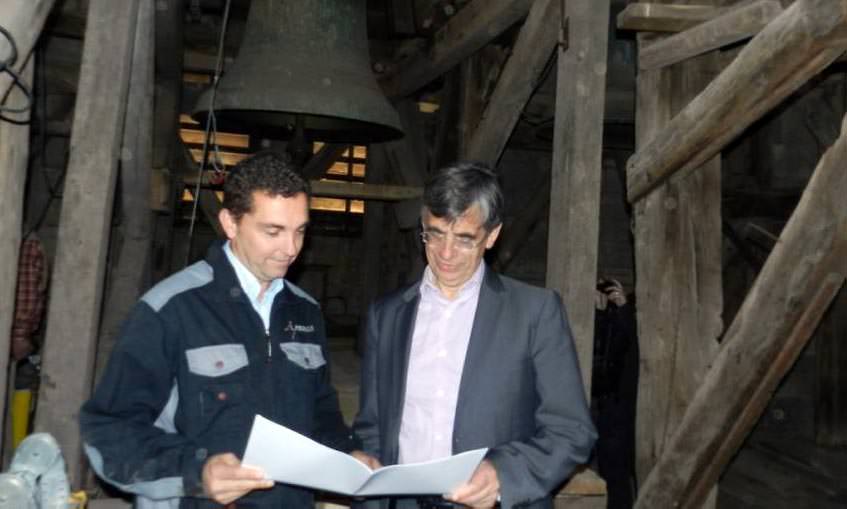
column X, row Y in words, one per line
column 466, row 358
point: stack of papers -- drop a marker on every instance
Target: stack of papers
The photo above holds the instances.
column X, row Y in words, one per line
column 289, row 457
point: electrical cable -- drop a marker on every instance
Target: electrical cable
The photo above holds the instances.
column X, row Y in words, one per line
column 210, row 128
column 17, row 81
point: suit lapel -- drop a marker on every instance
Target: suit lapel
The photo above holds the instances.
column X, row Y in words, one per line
column 485, row 324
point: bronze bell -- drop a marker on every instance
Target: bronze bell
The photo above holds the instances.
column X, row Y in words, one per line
column 304, row 64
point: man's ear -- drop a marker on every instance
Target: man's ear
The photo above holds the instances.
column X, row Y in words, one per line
column 492, row 236
column 228, row 223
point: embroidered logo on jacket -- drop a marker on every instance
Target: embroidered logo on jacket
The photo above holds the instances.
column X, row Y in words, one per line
column 293, row 328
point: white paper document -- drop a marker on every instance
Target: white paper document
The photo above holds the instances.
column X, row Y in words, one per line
column 289, row 457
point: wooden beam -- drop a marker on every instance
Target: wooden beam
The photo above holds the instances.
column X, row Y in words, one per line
column 732, row 26
column 520, row 76
column 655, row 17
column 474, row 26
column 574, row 221
column 355, row 191
column 408, row 161
column 131, row 250
column 677, row 232
column 798, row 44
column 211, row 206
column 14, row 155
column 801, row 277
column 337, row 189
column 323, row 160
column 831, row 387
column 83, row 238
column 23, row 19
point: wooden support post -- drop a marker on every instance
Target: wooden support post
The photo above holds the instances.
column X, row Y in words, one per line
column 804, row 272
column 520, row 76
column 323, row 160
column 373, row 229
column 732, row 26
column 795, row 46
column 83, row 238
column 831, row 389
column 408, row 160
column 656, row 17
column 470, row 29
column 574, row 224
column 132, row 246
column 678, row 268
column 14, row 156
column 23, row 19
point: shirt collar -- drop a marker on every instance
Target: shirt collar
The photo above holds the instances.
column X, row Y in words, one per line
column 249, row 282
column 470, row 287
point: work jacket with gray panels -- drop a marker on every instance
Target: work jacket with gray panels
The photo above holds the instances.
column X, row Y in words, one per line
column 192, row 367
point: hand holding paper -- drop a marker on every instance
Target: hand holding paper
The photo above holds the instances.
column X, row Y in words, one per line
column 289, row 457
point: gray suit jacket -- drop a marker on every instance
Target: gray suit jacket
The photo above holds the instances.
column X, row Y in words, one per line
column 521, row 392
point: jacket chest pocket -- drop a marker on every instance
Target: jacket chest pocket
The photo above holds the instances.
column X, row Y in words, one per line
column 220, row 377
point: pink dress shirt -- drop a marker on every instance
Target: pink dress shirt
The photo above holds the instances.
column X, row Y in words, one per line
column 437, row 357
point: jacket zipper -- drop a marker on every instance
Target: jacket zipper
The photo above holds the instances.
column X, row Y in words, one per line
column 270, row 348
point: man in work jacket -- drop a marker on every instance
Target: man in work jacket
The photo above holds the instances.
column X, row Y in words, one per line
column 210, row 347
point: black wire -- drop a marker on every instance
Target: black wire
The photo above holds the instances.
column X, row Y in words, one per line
column 17, row 81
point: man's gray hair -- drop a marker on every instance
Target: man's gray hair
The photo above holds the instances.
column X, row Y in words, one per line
column 455, row 188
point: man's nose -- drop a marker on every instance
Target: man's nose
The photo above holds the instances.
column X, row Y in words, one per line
column 288, row 244
column 447, row 248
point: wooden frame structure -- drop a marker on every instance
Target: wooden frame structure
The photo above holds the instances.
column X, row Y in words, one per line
column 684, row 463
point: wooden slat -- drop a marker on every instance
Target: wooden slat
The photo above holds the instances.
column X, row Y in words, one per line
column 83, row 238
column 14, row 154
column 518, row 80
column 655, row 17
column 798, row 44
column 23, row 19
column 323, row 160
column 732, row 26
column 677, row 260
column 474, row 26
column 131, row 252
column 574, row 231
column 338, row 189
column 801, row 277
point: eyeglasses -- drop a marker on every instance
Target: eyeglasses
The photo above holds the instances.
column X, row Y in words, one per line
column 437, row 239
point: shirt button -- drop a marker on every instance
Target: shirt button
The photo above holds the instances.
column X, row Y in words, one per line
column 442, row 353
column 439, row 393
column 201, row 454
column 235, row 292
column 438, row 437
column 222, row 396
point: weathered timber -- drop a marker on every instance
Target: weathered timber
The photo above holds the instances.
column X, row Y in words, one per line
column 474, row 26
column 14, row 155
column 211, row 207
column 520, row 77
column 83, row 238
column 574, row 231
column 656, row 17
column 373, row 228
column 804, row 272
column 407, row 159
column 132, row 242
column 337, row 189
column 678, row 268
column 23, row 19
column 323, row 160
column 732, row 26
column 795, row 46
column 831, row 389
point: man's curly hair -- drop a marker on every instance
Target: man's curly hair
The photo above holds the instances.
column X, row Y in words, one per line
column 268, row 172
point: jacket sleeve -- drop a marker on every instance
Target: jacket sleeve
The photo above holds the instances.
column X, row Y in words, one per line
column 127, row 425
column 529, row 469
column 366, row 425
